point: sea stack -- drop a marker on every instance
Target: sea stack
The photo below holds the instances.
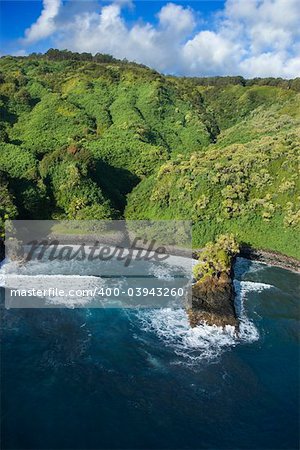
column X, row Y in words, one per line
column 212, row 302
column 212, row 296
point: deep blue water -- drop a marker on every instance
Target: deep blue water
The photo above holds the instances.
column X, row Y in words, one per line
column 113, row 379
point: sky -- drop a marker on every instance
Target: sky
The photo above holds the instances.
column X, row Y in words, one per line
column 252, row 38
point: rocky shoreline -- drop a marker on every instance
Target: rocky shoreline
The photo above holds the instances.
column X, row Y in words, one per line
column 212, row 299
column 270, row 258
column 212, row 302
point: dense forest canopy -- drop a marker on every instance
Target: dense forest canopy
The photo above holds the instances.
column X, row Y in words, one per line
column 86, row 136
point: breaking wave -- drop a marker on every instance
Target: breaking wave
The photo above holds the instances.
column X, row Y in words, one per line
column 203, row 342
column 171, row 325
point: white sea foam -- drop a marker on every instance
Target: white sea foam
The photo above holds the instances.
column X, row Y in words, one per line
column 203, row 342
column 2, row 272
column 242, row 288
column 244, row 265
column 169, row 324
column 173, row 328
column 65, row 283
column 161, row 272
column 247, row 331
column 5, row 267
column 171, row 266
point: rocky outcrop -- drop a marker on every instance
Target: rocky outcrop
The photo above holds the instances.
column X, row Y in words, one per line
column 212, row 302
column 212, row 297
column 2, row 250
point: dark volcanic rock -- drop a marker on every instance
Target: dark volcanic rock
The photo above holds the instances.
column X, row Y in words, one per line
column 2, row 250
column 212, row 301
column 271, row 258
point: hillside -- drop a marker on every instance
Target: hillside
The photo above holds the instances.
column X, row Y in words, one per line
column 85, row 137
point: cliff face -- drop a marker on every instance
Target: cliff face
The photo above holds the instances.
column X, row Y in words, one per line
column 212, row 301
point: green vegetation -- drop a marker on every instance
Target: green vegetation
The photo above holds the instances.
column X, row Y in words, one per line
column 92, row 137
column 7, row 207
column 216, row 257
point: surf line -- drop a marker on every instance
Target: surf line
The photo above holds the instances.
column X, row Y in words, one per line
column 96, row 251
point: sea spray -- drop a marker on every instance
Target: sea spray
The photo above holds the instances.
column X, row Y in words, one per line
column 192, row 344
column 203, row 342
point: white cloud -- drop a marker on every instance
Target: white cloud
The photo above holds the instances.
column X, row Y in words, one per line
column 276, row 64
column 175, row 18
column 211, row 52
column 45, row 25
column 20, row 52
column 267, row 23
column 249, row 37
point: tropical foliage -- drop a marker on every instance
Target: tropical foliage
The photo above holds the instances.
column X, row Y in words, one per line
column 94, row 137
column 216, row 257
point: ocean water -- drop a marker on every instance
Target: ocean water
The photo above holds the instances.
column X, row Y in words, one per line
column 142, row 379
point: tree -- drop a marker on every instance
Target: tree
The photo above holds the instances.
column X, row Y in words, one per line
column 7, row 208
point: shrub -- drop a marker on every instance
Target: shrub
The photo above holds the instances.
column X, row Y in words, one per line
column 216, row 257
column 7, row 208
column 17, row 162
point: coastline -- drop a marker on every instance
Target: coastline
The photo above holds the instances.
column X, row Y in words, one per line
column 268, row 257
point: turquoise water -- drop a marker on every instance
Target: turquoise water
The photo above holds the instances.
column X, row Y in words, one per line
column 113, row 378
